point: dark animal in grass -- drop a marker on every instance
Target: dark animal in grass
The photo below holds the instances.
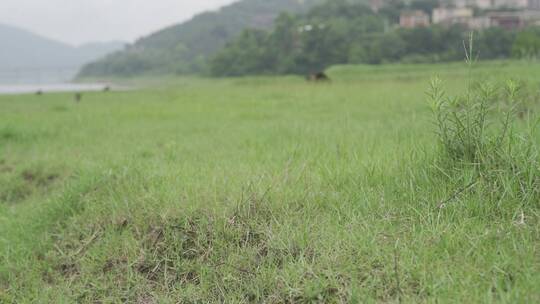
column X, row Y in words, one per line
column 106, row 89
column 318, row 77
column 77, row 97
column 39, row 92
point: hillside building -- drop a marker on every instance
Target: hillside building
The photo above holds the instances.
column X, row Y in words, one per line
column 511, row 4
column 509, row 14
column 482, row 4
column 412, row 19
column 479, row 23
column 487, row 4
column 514, row 19
column 449, row 16
column 376, row 5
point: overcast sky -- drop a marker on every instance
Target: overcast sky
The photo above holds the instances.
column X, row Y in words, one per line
column 80, row 21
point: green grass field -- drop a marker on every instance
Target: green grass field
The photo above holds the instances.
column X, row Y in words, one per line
column 256, row 190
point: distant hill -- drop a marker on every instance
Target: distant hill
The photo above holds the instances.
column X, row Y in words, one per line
column 22, row 50
column 184, row 48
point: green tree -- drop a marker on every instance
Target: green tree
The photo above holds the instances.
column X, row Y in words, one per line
column 494, row 43
column 527, row 44
column 246, row 55
column 284, row 43
column 386, row 48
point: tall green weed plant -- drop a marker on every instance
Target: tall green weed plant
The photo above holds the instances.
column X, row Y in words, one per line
column 487, row 140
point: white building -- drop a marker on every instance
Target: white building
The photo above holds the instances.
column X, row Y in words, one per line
column 451, row 15
column 480, row 23
column 483, row 4
column 491, row 4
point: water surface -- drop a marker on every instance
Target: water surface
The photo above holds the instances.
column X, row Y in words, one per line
column 49, row 88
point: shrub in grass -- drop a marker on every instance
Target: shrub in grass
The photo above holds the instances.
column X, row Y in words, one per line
column 484, row 144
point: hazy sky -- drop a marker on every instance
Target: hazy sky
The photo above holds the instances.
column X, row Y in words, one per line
column 80, row 21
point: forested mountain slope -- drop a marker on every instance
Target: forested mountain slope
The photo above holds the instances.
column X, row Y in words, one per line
column 185, row 48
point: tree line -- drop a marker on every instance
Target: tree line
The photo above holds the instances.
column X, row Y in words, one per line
column 339, row 32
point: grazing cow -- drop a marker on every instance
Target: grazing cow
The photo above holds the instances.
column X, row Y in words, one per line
column 78, row 97
column 106, row 89
column 318, row 77
column 39, row 92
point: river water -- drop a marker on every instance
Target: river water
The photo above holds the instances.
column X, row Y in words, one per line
column 46, row 80
column 6, row 89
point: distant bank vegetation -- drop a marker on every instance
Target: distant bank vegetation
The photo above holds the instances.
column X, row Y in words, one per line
column 335, row 32
column 342, row 33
